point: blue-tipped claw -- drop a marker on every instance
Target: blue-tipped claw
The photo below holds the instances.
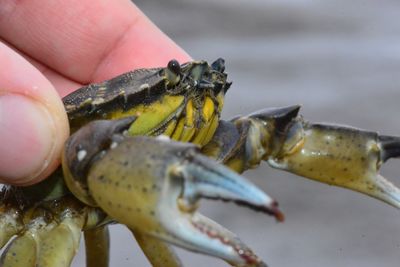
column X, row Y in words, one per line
column 153, row 185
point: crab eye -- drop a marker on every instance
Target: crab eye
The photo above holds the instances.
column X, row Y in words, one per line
column 173, row 72
column 174, row 66
column 218, row 65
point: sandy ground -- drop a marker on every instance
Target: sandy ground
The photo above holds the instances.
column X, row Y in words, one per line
column 339, row 59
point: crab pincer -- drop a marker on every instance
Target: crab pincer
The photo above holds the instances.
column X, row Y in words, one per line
column 334, row 154
column 345, row 157
column 153, row 185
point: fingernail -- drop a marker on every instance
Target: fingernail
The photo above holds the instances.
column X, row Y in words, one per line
column 27, row 138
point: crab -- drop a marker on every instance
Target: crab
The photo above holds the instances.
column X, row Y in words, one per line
column 148, row 145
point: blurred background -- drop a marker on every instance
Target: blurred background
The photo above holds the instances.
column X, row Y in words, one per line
column 341, row 60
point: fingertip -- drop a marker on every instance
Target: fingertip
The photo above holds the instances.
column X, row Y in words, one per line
column 33, row 123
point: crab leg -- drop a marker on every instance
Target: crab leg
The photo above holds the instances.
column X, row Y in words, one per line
column 60, row 244
column 50, row 238
column 332, row 154
column 97, row 245
column 23, row 250
column 159, row 253
column 153, row 185
column 10, row 223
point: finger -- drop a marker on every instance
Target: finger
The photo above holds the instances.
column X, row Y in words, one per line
column 33, row 123
column 62, row 84
column 85, row 40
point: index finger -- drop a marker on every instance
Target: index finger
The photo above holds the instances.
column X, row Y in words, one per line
column 86, row 40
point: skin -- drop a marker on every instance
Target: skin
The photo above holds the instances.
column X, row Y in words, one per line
column 41, row 63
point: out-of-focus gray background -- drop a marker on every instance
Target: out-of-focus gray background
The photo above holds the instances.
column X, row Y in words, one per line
column 341, row 60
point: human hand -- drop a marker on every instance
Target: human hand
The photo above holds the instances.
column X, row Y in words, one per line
column 49, row 50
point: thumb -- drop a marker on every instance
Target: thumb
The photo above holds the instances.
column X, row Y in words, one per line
column 33, row 123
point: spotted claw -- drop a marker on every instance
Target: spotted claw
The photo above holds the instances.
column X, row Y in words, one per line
column 153, row 185
column 333, row 154
column 345, row 157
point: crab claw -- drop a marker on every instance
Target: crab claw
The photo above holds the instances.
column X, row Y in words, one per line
column 153, row 185
column 341, row 156
column 333, row 154
column 204, row 178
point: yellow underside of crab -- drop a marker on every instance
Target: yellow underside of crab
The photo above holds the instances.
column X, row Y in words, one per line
column 171, row 116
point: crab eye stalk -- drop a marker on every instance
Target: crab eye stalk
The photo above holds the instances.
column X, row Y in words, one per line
column 218, row 65
column 172, row 72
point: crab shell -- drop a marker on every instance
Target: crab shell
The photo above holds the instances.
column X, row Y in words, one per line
column 183, row 102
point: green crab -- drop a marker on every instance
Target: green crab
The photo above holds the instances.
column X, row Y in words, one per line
column 147, row 145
